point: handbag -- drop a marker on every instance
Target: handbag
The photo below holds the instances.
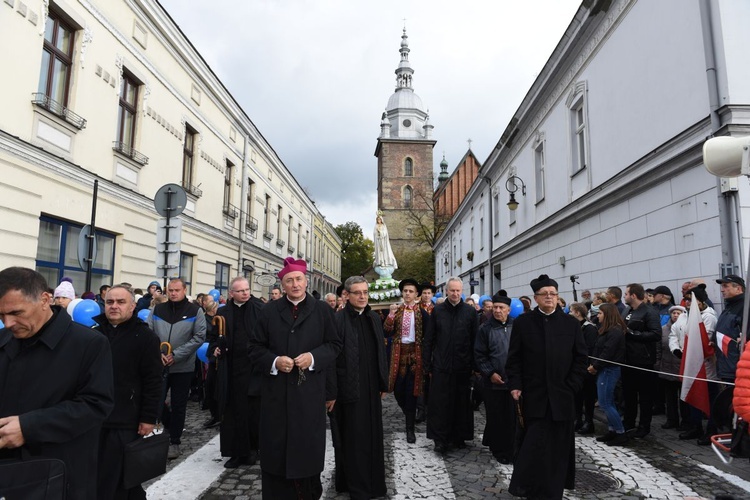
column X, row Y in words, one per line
column 144, row 459
column 37, row 479
column 740, row 446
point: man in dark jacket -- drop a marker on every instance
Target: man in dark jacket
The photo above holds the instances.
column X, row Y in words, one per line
column 137, row 368
column 241, row 419
column 449, row 361
column 154, row 288
column 56, row 387
column 183, row 325
column 491, row 354
column 359, row 381
column 546, row 363
column 730, row 324
column 295, row 342
column 641, row 339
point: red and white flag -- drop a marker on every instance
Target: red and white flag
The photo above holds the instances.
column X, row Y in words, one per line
column 722, row 341
column 696, row 349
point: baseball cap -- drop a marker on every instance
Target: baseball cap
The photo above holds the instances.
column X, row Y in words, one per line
column 731, row 278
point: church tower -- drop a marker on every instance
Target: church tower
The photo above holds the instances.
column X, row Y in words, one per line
column 404, row 152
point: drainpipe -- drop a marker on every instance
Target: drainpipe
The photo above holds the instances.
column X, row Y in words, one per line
column 729, row 212
column 243, row 207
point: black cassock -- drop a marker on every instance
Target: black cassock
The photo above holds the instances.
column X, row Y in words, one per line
column 361, row 374
column 240, row 418
column 292, row 414
column 546, row 361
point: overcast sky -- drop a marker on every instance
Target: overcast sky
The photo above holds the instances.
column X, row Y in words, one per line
column 315, row 77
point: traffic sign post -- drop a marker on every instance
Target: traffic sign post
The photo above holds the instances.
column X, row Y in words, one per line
column 169, row 201
column 87, row 241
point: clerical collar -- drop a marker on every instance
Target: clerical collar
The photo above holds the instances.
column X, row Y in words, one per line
column 295, row 302
column 545, row 313
column 239, row 304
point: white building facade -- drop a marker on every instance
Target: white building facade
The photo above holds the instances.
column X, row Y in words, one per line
column 112, row 91
column 606, row 148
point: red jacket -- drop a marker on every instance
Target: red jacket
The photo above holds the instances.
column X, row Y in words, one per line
column 741, row 398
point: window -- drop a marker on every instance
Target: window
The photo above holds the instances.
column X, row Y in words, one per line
column 57, row 255
column 188, row 160
column 279, row 226
column 267, row 217
column 221, row 281
column 539, row 163
column 252, row 223
column 57, row 59
column 228, row 187
column 481, row 233
column 407, row 197
column 186, row 270
column 299, row 240
column 408, row 168
column 576, row 103
column 496, row 211
column 289, row 231
column 127, row 113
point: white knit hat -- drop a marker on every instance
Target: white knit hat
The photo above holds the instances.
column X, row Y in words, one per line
column 66, row 290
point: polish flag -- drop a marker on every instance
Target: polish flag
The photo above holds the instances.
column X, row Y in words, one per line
column 696, row 348
column 723, row 342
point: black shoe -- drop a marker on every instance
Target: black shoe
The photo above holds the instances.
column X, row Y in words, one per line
column 459, row 445
column 641, row 432
column 410, row 436
column 253, row 458
column 669, row 425
column 586, row 428
column 691, row 434
column 211, row 422
column 235, row 462
column 502, row 459
column 657, row 411
column 420, row 416
column 704, row 440
column 441, row 448
column 609, row 436
column 618, row 440
column 579, row 424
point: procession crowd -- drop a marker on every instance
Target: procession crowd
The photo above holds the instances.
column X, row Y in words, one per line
column 278, row 372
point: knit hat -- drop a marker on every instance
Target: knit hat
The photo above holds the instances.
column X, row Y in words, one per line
column 65, row 289
column 542, row 281
column 677, row 308
column 291, row 265
column 700, row 293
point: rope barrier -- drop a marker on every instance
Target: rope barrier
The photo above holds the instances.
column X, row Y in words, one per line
column 661, row 373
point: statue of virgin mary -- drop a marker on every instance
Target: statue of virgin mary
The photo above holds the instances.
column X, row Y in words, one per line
column 384, row 258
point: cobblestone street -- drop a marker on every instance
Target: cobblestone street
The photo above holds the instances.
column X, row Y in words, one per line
column 659, row 466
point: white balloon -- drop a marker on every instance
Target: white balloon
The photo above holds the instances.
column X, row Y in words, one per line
column 72, row 305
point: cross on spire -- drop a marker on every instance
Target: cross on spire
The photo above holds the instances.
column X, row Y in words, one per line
column 469, row 141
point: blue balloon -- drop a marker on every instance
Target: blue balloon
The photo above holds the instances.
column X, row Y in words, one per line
column 566, row 310
column 438, row 295
column 215, row 294
column 483, row 298
column 143, row 314
column 202, row 352
column 463, row 296
column 516, row 308
column 2, row 325
column 85, row 311
column 434, row 300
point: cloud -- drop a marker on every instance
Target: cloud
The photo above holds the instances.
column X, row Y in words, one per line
column 315, row 76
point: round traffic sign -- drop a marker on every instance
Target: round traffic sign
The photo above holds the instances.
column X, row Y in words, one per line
column 170, row 200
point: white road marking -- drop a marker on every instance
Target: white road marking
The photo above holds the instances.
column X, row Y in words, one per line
column 737, row 481
column 635, row 473
column 192, row 477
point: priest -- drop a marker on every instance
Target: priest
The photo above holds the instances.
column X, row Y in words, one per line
column 546, row 365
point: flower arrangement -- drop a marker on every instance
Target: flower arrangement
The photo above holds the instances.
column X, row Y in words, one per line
column 384, row 290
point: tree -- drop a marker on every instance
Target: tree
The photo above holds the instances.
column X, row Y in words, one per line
column 357, row 252
column 425, row 222
column 418, row 264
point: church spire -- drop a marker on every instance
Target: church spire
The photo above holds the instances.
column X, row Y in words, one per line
column 404, row 72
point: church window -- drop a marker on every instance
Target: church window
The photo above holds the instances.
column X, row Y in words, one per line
column 408, row 167
column 407, row 197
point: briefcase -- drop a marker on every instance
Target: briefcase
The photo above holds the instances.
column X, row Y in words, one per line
column 145, row 458
column 36, row 479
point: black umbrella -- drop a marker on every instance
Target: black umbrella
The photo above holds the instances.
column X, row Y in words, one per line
column 221, row 394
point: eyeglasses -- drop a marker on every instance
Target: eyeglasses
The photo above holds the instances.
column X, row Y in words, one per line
column 363, row 293
column 547, row 295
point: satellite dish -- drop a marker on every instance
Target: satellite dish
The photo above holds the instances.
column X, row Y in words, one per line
column 170, row 200
column 727, row 156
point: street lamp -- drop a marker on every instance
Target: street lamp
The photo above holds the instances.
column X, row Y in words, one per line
column 512, row 187
column 446, row 263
